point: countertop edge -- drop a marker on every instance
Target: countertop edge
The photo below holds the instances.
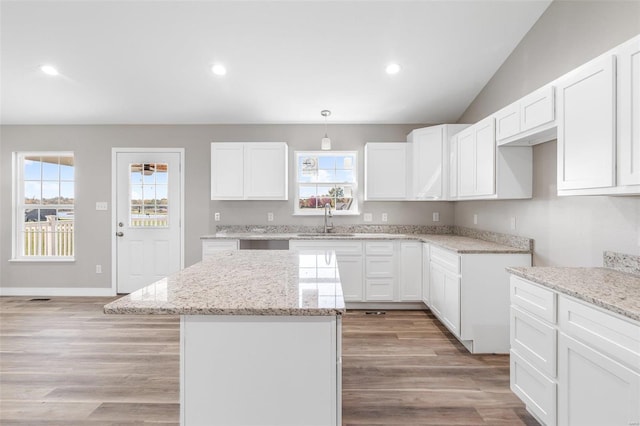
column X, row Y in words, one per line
column 363, row 237
column 578, row 295
column 225, row 312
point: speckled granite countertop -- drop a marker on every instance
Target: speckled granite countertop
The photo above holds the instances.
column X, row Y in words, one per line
column 454, row 243
column 245, row 282
column 615, row 291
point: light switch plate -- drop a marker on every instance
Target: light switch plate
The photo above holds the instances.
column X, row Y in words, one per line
column 436, row 216
column 368, row 217
column 102, row 205
column 475, row 219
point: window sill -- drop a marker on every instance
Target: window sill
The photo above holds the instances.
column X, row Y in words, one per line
column 42, row 260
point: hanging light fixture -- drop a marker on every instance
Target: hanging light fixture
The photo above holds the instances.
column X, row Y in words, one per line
column 326, row 142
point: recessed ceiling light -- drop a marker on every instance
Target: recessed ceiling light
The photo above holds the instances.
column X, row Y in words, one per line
column 49, row 70
column 393, row 69
column 218, row 69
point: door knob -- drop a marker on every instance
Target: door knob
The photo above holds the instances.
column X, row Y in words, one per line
column 120, row 234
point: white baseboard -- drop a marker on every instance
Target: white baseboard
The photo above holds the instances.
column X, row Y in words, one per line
column 57, row 291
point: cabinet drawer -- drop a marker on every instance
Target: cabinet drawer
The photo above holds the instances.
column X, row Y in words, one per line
column 379, row 266
column 212, row 246
column 533, row 299
column 537, row 391
column 450, row 261
column 379, row 290
column 379, row 248
column 608, row 334
column 535, row 340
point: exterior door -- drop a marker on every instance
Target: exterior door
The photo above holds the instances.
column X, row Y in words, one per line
column 148, row 217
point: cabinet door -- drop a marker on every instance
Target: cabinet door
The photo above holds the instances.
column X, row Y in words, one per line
column 385, row 172
column 227, row 171
column 485, row 161
column 629, row 113
column 426, row 275
column 537, row 108
column 410, row 278
column 593, row 389
column 586, row 126
column 453, row 168
column 451, row 306
column 467, row 163
column 350, row 268
column 508, row 121
column 266, row 171
column 427, row 163
column 436, row 293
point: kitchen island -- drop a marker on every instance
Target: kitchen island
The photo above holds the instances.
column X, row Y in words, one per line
column 260, row 336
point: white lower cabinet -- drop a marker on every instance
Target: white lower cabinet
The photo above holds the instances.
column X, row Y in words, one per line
column 594, row 389
column 469, row 294
column 410, row 271
column 573, row 364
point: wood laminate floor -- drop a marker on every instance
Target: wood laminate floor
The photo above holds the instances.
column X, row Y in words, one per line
column 63, row 362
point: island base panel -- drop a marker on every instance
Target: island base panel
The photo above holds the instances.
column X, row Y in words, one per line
column 260, row 370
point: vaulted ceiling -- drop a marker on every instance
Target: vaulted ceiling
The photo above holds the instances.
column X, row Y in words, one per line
column 150, row 61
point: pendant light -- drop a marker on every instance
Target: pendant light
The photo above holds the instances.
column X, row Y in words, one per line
column 326, row 142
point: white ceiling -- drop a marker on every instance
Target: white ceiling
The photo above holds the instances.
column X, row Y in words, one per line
column 150, row 61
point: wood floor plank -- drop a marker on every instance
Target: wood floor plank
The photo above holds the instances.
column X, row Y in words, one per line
column 63, row 362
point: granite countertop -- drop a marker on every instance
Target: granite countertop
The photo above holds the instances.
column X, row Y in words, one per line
column 613, row 290
column 245, row 282
column 456, row 243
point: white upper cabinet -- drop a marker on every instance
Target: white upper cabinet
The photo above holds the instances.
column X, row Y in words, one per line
column 227, row 171
column 476, row 160
column 487, row 172
column 528, row 121
column 629, row 113
column 586, row 126
column 249, row 171
column 385, row 171
column 599, row 125
column 429, row 161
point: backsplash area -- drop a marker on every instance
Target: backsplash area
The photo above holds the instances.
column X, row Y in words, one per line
column 622, row 262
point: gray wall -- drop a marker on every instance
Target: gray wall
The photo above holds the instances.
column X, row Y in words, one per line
column 570, row 231
column 92, row 146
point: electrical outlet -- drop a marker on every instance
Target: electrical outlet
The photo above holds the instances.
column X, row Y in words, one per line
column 98, row 269
column 368, row 217
column 436, row 216
column 475, row 218
column 270, row 217
column 216, row 216
column 385, row 217
column 101, row 205
column 513, row 222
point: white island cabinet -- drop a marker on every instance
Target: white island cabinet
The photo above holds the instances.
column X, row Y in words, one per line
column 260, row 337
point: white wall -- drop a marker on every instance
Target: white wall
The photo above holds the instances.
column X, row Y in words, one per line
column 570, row 231
column 92, row 146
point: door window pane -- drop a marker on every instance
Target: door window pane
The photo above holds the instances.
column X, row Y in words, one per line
column 148, row 203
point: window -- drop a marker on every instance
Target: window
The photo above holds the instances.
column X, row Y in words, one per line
column 326, row 178
column 148, row 195
column 45, row 197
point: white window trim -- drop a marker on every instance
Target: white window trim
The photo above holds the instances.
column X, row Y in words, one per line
column 319, row 212
column 17, row 194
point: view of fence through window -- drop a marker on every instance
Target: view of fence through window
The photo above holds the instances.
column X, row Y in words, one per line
column 148, row 195
column 48, row 198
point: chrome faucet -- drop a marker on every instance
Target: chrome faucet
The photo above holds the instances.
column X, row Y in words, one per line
column 327, row 213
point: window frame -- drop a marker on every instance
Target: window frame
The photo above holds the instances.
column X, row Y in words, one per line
column 19, row 207
column 354, row 211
